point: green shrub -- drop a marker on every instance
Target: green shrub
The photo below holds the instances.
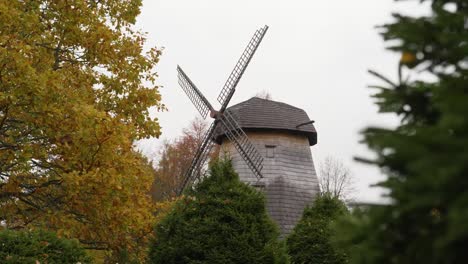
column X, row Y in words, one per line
column 221, row 220
column 310, row 241
column 24, row 247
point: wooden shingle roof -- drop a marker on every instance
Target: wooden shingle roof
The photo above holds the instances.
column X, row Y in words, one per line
column 257, row 114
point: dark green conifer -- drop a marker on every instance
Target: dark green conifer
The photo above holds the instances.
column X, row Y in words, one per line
column 426, row 155
column 32, row 247
column 221, row 220
column 310, row 240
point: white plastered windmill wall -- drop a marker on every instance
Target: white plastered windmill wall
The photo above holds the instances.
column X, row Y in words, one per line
column 289, row 179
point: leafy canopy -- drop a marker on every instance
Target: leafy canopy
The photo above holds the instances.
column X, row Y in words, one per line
column 175, row 158
column 425, row 156
column 75, row 89
column 221, row 220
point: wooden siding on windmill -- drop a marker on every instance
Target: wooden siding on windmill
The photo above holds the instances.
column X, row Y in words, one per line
column 283, row 135
column 290, row 182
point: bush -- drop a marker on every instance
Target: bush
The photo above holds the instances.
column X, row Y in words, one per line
column 24, row 247
column 310, row 241
column 221, row 220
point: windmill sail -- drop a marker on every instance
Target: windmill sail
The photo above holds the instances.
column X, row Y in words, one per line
column 200, row 158
column 233, row 131
column 201, row 103
column 241, row 142
column 231, row 83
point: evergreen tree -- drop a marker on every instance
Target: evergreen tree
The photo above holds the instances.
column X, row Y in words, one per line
column 221, row 220
column 310, row 240
column 30, row 247
column 426, row 156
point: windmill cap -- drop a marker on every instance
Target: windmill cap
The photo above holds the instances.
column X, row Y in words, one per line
column 257, row 114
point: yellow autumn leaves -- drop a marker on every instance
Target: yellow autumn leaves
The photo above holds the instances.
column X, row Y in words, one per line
column 407, row 58
column 75, row 89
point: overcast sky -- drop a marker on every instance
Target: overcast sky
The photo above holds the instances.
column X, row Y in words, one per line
column 315, row 56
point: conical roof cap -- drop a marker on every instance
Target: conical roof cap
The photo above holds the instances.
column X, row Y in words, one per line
column 257, row 114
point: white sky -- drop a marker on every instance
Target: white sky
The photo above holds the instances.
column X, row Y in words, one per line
column 315, row 56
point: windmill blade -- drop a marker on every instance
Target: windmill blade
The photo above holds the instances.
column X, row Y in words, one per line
column 201, row 103
column 231, row 83
column 199, row 159
column 242, row 144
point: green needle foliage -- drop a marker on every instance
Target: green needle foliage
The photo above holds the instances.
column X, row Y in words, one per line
column 18, row 247
column 426, row 156
column 310, row 240
column 222, row 220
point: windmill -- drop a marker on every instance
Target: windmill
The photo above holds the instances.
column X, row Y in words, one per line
column 223, row 119
column 269, row 143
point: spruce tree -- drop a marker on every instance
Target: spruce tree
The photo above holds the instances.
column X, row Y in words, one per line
column 425, row 156
column 310, row 240
column 221, row 220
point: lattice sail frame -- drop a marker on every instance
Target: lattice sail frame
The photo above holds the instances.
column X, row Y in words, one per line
column 201, row 103
column 199, row 160
column 241, row 142
column 234, row 132
column 229, row 87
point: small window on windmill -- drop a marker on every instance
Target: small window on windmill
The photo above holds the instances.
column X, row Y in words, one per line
column 270, row 151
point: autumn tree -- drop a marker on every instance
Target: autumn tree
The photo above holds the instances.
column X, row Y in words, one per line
column 336, row 179
column 264, row 95
column 75, row 89
column 425, row 155
column 175, row 158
